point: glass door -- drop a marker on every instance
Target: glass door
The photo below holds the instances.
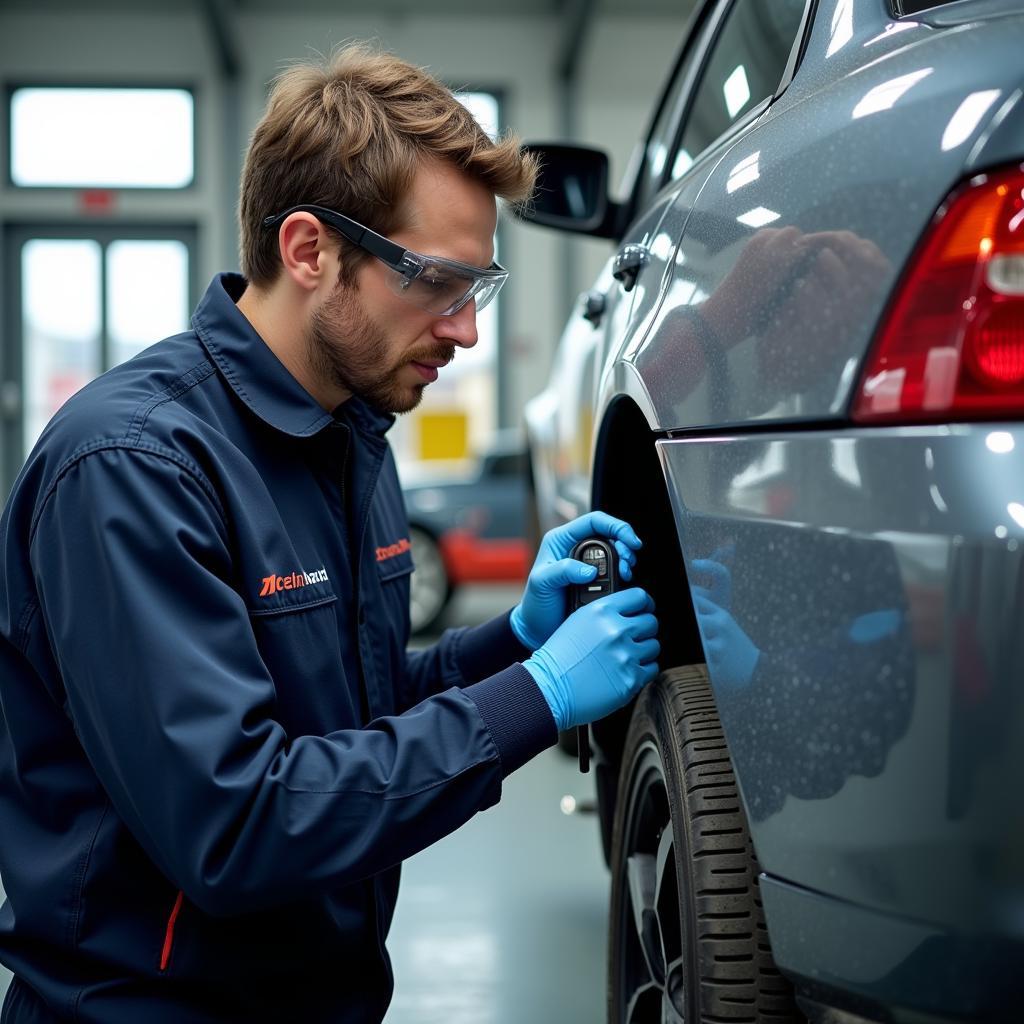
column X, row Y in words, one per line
column 81, row 300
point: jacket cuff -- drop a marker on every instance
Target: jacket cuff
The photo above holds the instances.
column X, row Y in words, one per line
column 483, row 650
column 516, row 715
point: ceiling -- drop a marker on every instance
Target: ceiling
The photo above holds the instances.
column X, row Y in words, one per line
column 471, row 8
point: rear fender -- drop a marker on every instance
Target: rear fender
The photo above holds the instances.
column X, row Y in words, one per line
column 629, row 482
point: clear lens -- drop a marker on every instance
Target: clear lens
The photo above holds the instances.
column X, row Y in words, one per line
column 487, row 292
column 444, row 287
column 438, row 288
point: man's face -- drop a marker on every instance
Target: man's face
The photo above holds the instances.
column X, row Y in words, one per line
column 370, row 342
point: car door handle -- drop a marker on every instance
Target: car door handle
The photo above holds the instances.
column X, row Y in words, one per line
column 628, row 264
column 594, row 305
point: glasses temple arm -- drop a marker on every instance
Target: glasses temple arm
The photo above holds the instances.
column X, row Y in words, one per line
column 360, row 235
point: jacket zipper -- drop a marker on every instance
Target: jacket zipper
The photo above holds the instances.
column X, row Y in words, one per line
column 165, row 956
column 360, row 538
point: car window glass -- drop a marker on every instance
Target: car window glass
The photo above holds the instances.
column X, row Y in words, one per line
column 745, row 67
column 663, row 134
column 916, row 6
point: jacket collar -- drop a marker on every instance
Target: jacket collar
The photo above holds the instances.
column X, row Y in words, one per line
column 258, row 377
column 364, row 418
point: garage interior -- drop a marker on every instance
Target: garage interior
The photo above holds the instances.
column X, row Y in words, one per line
column 505, row 921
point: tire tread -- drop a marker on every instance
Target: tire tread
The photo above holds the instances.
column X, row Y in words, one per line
column 737, row 979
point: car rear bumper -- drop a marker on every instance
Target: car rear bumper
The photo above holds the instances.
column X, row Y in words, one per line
column 472, row 559
column 879, row 738
column 881, row 967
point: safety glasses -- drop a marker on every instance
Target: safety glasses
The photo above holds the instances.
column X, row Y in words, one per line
column 438, row 285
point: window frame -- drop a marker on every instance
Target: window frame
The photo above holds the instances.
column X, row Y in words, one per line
column 896, row 7
column 13, row 234
column 12, row 86
column 799, row 48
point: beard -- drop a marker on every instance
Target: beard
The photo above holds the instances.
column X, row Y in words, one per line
column 345, row 348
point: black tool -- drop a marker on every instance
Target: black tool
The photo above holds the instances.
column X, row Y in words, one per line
column 600, row 553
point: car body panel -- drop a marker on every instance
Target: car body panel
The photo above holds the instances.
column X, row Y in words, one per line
column 866, row 653
column 560, row 422
column 892, row 961
column 586, row 348
column 815, row 167
column 912, row 736
column 879, row 743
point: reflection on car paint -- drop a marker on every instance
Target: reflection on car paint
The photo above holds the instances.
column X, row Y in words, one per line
column 883, row 699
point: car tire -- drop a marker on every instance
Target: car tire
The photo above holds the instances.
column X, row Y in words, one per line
column 687, row 936
column 430, row 588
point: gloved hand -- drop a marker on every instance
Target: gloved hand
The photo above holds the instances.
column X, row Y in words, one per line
column 543, row 606
column 875, row 626
column 598, row 658
column 714, row 576
column 731, row 654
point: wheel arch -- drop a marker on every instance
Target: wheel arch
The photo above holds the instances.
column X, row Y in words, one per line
column 432, row 533
column 432, row 530
column 629, row 482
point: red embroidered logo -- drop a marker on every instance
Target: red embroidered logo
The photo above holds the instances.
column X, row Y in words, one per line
column 272, row 584
column 400, row 548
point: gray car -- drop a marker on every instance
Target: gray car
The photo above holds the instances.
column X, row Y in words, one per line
column 800, row 376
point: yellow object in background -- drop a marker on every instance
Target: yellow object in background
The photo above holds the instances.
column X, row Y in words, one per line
column 443, row 435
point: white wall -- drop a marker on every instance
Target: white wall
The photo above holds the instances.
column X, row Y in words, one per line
column 624, row 62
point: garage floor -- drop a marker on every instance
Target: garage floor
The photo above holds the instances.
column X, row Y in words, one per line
column 504, row 921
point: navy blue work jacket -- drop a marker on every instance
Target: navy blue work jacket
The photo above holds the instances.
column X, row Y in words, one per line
column 215, row 750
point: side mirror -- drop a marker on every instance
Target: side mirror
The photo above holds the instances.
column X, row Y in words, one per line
column 572, row 191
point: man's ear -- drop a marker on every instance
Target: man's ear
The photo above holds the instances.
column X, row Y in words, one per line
column 308, row 253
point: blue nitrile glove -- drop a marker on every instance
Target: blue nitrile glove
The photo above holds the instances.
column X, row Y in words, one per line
column 713, row 576
column 598, row 658
column 544, row 606
column 875, row 626
column 731, row 655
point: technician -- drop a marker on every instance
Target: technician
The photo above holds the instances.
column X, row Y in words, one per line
column 215, row 750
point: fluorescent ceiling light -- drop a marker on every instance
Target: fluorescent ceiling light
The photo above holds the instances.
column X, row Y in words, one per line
column 884, row 96
column 1000, row 442
column 842, row 27
column 737, row 91
column 744, row 172
column 758, row 217
column 683, row 163
column 967, row 117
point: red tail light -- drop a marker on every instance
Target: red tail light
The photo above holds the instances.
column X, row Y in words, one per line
column 952, row 343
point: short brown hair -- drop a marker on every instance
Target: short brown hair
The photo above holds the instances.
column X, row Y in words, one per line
column 349, row 136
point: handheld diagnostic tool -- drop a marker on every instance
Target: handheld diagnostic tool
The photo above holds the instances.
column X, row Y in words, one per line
column 600, row 553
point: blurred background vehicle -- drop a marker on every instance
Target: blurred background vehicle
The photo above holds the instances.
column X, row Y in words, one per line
column 468, row 526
